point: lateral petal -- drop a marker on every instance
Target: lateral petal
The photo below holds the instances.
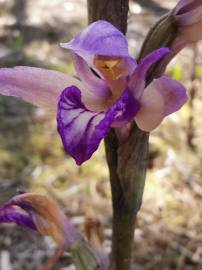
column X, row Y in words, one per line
column 40, row 87
column 161, row 98
column 138, row 78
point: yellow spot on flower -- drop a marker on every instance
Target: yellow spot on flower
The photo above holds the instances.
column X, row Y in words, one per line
column 111, row 68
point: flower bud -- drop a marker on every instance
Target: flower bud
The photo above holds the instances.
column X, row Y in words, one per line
column 176, row 30
column 188, row 15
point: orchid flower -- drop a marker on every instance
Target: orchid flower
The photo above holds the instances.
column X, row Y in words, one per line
column 111, row 90
column 42, row 214
column 188, row 14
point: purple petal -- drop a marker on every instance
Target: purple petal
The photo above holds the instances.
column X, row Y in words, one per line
column 173, row 92
column 161, row 98
column 14, row 214
column 86, row 75
column 191, row 17
column 138, row 78
column 38, row 86
column 99, row 38
column 184, row 6
column 82, row 130
column 129, row 108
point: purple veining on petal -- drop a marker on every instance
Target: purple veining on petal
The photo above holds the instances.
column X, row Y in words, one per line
column 82, row 130
column 14, row 214
column 99, row 38
column 76, row 124
column 137, row 79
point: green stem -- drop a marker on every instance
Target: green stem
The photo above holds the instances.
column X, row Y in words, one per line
column 127, row 169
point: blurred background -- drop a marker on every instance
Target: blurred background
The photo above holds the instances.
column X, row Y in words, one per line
column 169, row 227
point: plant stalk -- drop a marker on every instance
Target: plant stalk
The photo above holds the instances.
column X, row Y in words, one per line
column 127, row 167
column 127, row 161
